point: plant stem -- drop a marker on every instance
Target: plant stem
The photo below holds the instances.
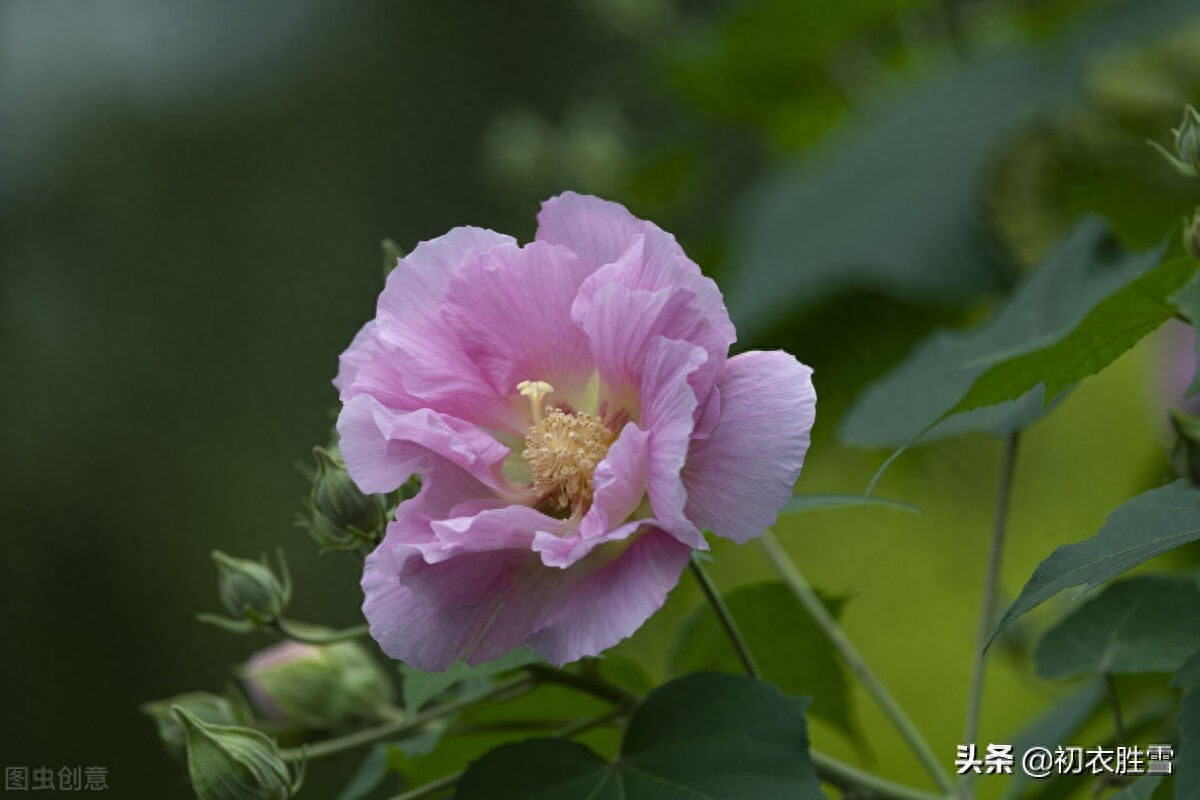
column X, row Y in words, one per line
column 288, row 630
column 588, row 684
column 1115, row 702
column 572, row 729
column 401, row 727
column 987, row 613
column 891, row 709
column 430, row 789
column 726, row 619
column 863, row 784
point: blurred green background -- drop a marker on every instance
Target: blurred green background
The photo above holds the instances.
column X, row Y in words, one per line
column 191, row 201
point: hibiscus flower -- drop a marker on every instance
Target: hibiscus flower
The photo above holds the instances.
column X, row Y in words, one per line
column 576, row 421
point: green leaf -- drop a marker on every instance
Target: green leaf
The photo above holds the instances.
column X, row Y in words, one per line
column 1146, row 526
column 894, row 201
column 817, row 502
column 791, row 649
column 1086, row 267
column 1141, row 789
column 703, row 737
column 1058, row 724
column 1187, row 759
column 420, row 686
column 370, row 773
column 1187, row 300
column 1147, row 624
column 1108, row 331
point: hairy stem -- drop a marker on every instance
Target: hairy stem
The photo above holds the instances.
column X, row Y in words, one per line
column 722, row 611
column 899, row 720
column 987, row 613
column 431, row 789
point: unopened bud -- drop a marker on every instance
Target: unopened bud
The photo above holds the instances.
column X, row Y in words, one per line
column 320, row 687
column 249, row 589
column 339, row 501
column 1186, row 159
column 206, row 707
column 1191, row 235
column 227, row 762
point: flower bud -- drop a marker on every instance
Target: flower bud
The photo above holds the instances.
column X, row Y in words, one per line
column 204, row 706
column 231, row 763
column 1186, row 160
column 1186, row 453
column 320, row 687
column 338, row 500
column 1191, row 235
column 250, row 589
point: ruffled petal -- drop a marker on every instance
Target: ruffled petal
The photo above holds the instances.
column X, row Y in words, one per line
column 511, row 310
column 597, row 230
column 382, row 448
column 667, row 412
column 597, row 611
column 744, row 472
column 425, row 349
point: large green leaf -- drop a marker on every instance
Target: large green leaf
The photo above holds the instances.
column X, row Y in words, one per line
column 1146, row 526
column 1059, row 723
column 1108, row 331
column 894, row 203
column 1141, row 789
column 791, row 649
column 1084, row 269
column 420, row 686
column 1187, row 760
column 1147, row 624
column 703, row 737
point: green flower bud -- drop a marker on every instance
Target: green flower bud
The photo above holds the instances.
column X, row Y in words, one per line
column 320, row 687
column 231, row 763
column 249, row 589
column 204, row 706
column 1191, row 235
column 338, row 500
column 1186, row 160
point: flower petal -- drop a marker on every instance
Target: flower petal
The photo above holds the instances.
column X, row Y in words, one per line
column 608, row 605
column 744, row 472
column 511, row 310
column 597, row 230
column 667, row 412
column 426, row 351
column 382, row 448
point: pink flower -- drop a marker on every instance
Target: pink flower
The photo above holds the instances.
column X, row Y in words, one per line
column 576, row 421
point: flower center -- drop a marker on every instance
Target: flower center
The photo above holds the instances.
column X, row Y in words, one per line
column 562, row 451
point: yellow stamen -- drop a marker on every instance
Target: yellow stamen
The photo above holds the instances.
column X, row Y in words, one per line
column 562, row 451
column 535, row 391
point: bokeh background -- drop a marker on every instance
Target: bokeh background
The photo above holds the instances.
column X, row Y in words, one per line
column 192, row 196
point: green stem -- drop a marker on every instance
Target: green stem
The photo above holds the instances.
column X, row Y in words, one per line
column 891, row 709
column 863, row 784
column 987, row 612
column 401, row 727
column 1115, row 701
column 726, row 619
column 579, row 726
column 434, row 787
column 588, row 684
column 288, row 630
